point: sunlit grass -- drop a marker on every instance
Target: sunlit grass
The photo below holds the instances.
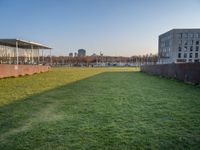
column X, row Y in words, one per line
column 12, row 89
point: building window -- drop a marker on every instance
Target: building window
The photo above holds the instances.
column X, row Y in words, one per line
column 190, row 60
column 185, row 55
column 185, row 43
column 196, row 35
column 196, row 55
column 180, row 42
column 197, row 48
column 179, row 48
column 185, row 48
column 197, row 42
column 163, row 49
column 190, row 42
column 191, row 48
column 185, row 35
column 167, row 43
column 179, row 55
column 191, row 35
column 180, row 35
column 170, row 43
column 196, row 60
column 190, row 55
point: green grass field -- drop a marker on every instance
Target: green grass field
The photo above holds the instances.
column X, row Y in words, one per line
column 98, row 108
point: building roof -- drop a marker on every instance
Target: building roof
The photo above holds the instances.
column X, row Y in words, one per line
column 22, row 44
column 182, row 29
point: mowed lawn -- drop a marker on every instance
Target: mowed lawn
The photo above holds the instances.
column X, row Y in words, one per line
column 98, row 108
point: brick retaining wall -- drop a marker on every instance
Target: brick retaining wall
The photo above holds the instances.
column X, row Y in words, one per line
column 185, row 72
column 7, row 70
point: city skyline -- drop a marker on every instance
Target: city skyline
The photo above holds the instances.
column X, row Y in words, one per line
column 115, row 27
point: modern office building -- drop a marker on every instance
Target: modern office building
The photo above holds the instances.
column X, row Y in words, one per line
column 179, row 46
column 70, row 54
column 81, row 52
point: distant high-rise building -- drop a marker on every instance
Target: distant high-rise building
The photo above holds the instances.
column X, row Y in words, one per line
column 179, row 45
column 81, row 52
column 70, row 54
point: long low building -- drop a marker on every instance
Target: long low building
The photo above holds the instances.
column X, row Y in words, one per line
column 20, row 57
column 18, row 51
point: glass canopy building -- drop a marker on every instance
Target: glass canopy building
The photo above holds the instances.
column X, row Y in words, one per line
column 18, row 51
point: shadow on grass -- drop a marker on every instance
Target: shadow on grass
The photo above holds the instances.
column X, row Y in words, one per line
column 41, row 106
column 114, row 110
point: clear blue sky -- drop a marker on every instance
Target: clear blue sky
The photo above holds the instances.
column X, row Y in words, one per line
column 115, row 27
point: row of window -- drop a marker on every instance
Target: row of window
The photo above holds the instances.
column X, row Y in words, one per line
column 165, row 38
column 188, row 42
column 166, row 43
column 189, row 60
column 185, row 55
column 196, row 60
column 163, row 54
column 189, row 35
column 165, row 49
column 185, row 48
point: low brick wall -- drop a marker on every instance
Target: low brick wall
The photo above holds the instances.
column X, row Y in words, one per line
column 185, row 72
column 7, row 70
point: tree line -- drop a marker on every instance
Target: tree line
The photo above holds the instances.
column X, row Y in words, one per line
column 100, row 60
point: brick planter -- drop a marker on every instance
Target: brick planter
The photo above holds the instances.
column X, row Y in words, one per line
column 7, row 70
